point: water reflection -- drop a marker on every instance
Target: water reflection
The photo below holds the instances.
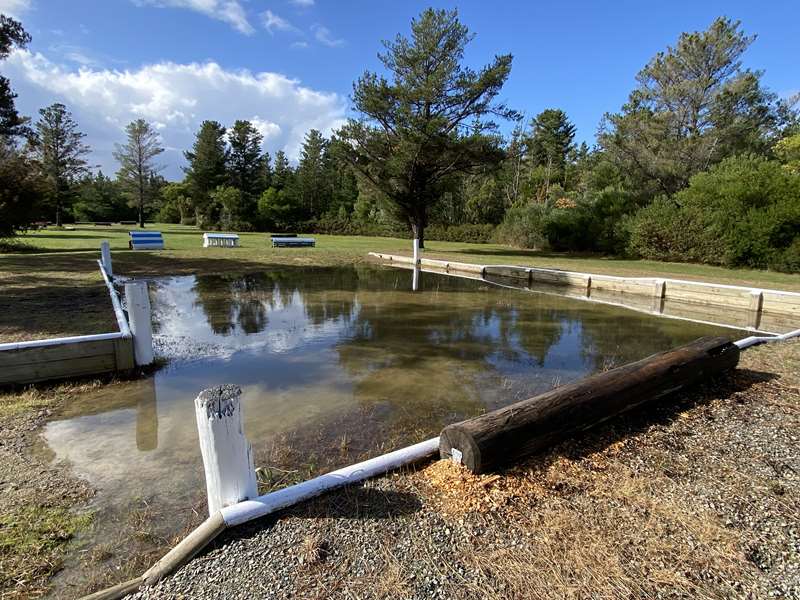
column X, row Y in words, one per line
column 340, row 360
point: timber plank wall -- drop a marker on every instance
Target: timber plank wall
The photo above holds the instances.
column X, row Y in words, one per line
column 772, row 311
column 60, row 358
column 72, row 357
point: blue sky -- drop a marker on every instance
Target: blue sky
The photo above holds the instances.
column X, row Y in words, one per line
column 289, row 64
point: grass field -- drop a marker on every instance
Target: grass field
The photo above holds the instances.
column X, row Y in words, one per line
column 51, row 285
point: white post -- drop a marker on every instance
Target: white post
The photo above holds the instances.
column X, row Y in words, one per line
column 105, row 255
column 138, row 301
column 227, row 455
column 415, row 279
column 416, row 251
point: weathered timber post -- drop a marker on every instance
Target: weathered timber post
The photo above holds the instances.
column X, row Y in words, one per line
column 754, row 309
column 659, row 291
column 227, row 455
column 138, row 301
column 105, row 257
column 497, row 437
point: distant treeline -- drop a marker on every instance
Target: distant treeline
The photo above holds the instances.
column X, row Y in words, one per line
column 702, row 163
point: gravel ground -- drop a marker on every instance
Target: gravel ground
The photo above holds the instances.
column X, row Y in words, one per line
column 698, row 499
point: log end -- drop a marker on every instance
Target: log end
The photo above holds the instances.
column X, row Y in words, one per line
column 458, row 445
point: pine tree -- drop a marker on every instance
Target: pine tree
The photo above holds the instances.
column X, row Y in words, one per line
column 136, row 164
column 431, row 121
column 550, row 144
column 59, row 150
column 207, row 169
column 245, row 163
column 314, row 188
column 12, row 35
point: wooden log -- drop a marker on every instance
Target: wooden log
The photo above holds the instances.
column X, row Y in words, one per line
column 487, row 441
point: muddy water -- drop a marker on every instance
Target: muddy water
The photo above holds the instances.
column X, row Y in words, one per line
column 335, row 364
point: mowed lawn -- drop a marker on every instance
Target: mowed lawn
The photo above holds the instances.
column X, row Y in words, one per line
column 54, row 288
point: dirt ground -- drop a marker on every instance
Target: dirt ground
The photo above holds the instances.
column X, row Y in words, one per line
column 695, row 498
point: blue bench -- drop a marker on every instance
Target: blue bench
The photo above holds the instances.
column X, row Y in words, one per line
column 146, row 240
column 284, row 242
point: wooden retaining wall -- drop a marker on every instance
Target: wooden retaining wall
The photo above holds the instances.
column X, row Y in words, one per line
column 754, row 308
column 59, row 358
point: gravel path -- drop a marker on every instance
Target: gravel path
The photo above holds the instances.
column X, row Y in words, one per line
column 699, row 499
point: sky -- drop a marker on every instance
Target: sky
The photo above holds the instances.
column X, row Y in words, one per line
column 289, row 65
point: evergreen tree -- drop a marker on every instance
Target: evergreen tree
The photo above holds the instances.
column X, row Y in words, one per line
column 136, row 165
column 430, row 122
column 311, row 180
column 245, row 163
column 59, row 150
column 550, row 143
column 99, row 199
column 281, row 172
column 12, row 35
column 694, row 105
column 207, row 169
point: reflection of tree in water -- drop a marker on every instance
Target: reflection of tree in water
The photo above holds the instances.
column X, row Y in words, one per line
column 244, row 301
column 419, row 355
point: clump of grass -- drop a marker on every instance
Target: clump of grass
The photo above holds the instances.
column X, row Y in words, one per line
column 32, row 543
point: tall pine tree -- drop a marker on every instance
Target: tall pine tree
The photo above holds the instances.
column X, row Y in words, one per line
column 207, row 169
column 59, row 150
column 137, row 165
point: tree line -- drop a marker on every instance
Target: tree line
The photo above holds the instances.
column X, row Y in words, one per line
column 702, row 163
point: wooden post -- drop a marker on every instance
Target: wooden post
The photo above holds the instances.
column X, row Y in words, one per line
column 659, row 291
column 227, row 455
column 416, row 251
column 489, row 440
column 138, row 301
column 754, row 312
column 415, row 279
column 105, row 256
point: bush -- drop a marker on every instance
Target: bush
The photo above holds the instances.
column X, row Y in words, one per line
column 476, row 234
column 743, row 212
column 665, row 231
column 523, row 226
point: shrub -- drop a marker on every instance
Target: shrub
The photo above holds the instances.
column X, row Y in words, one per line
column 523, row 226
column 665, row 231
column 743, row 212
column 476, row 234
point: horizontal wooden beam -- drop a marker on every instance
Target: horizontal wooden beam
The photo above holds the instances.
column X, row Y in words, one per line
column 503, row 435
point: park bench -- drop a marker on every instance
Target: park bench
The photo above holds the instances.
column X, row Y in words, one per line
column 128, row 222
column 146, row 240
column 285, row 242
column 225, row 240
column 103, row 223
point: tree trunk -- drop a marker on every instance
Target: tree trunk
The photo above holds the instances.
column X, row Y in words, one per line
column 418, row 232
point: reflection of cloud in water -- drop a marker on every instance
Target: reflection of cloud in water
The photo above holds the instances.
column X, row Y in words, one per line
column 185, row 331
column 316, row 349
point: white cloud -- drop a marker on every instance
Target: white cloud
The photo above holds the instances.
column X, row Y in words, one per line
column 303, row 3
column 228, row 11
column 15, row 8
column 299, row 44
column 324, row 36
column 175, row 97
column 273, row 22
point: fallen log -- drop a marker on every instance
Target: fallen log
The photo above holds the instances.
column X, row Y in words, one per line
column 497, row 437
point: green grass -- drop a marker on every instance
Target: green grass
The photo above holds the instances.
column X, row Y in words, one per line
column 181, row 240
column 52, row 287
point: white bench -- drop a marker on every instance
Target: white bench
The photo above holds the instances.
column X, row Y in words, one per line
column 146, row 240
column 225, row 240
